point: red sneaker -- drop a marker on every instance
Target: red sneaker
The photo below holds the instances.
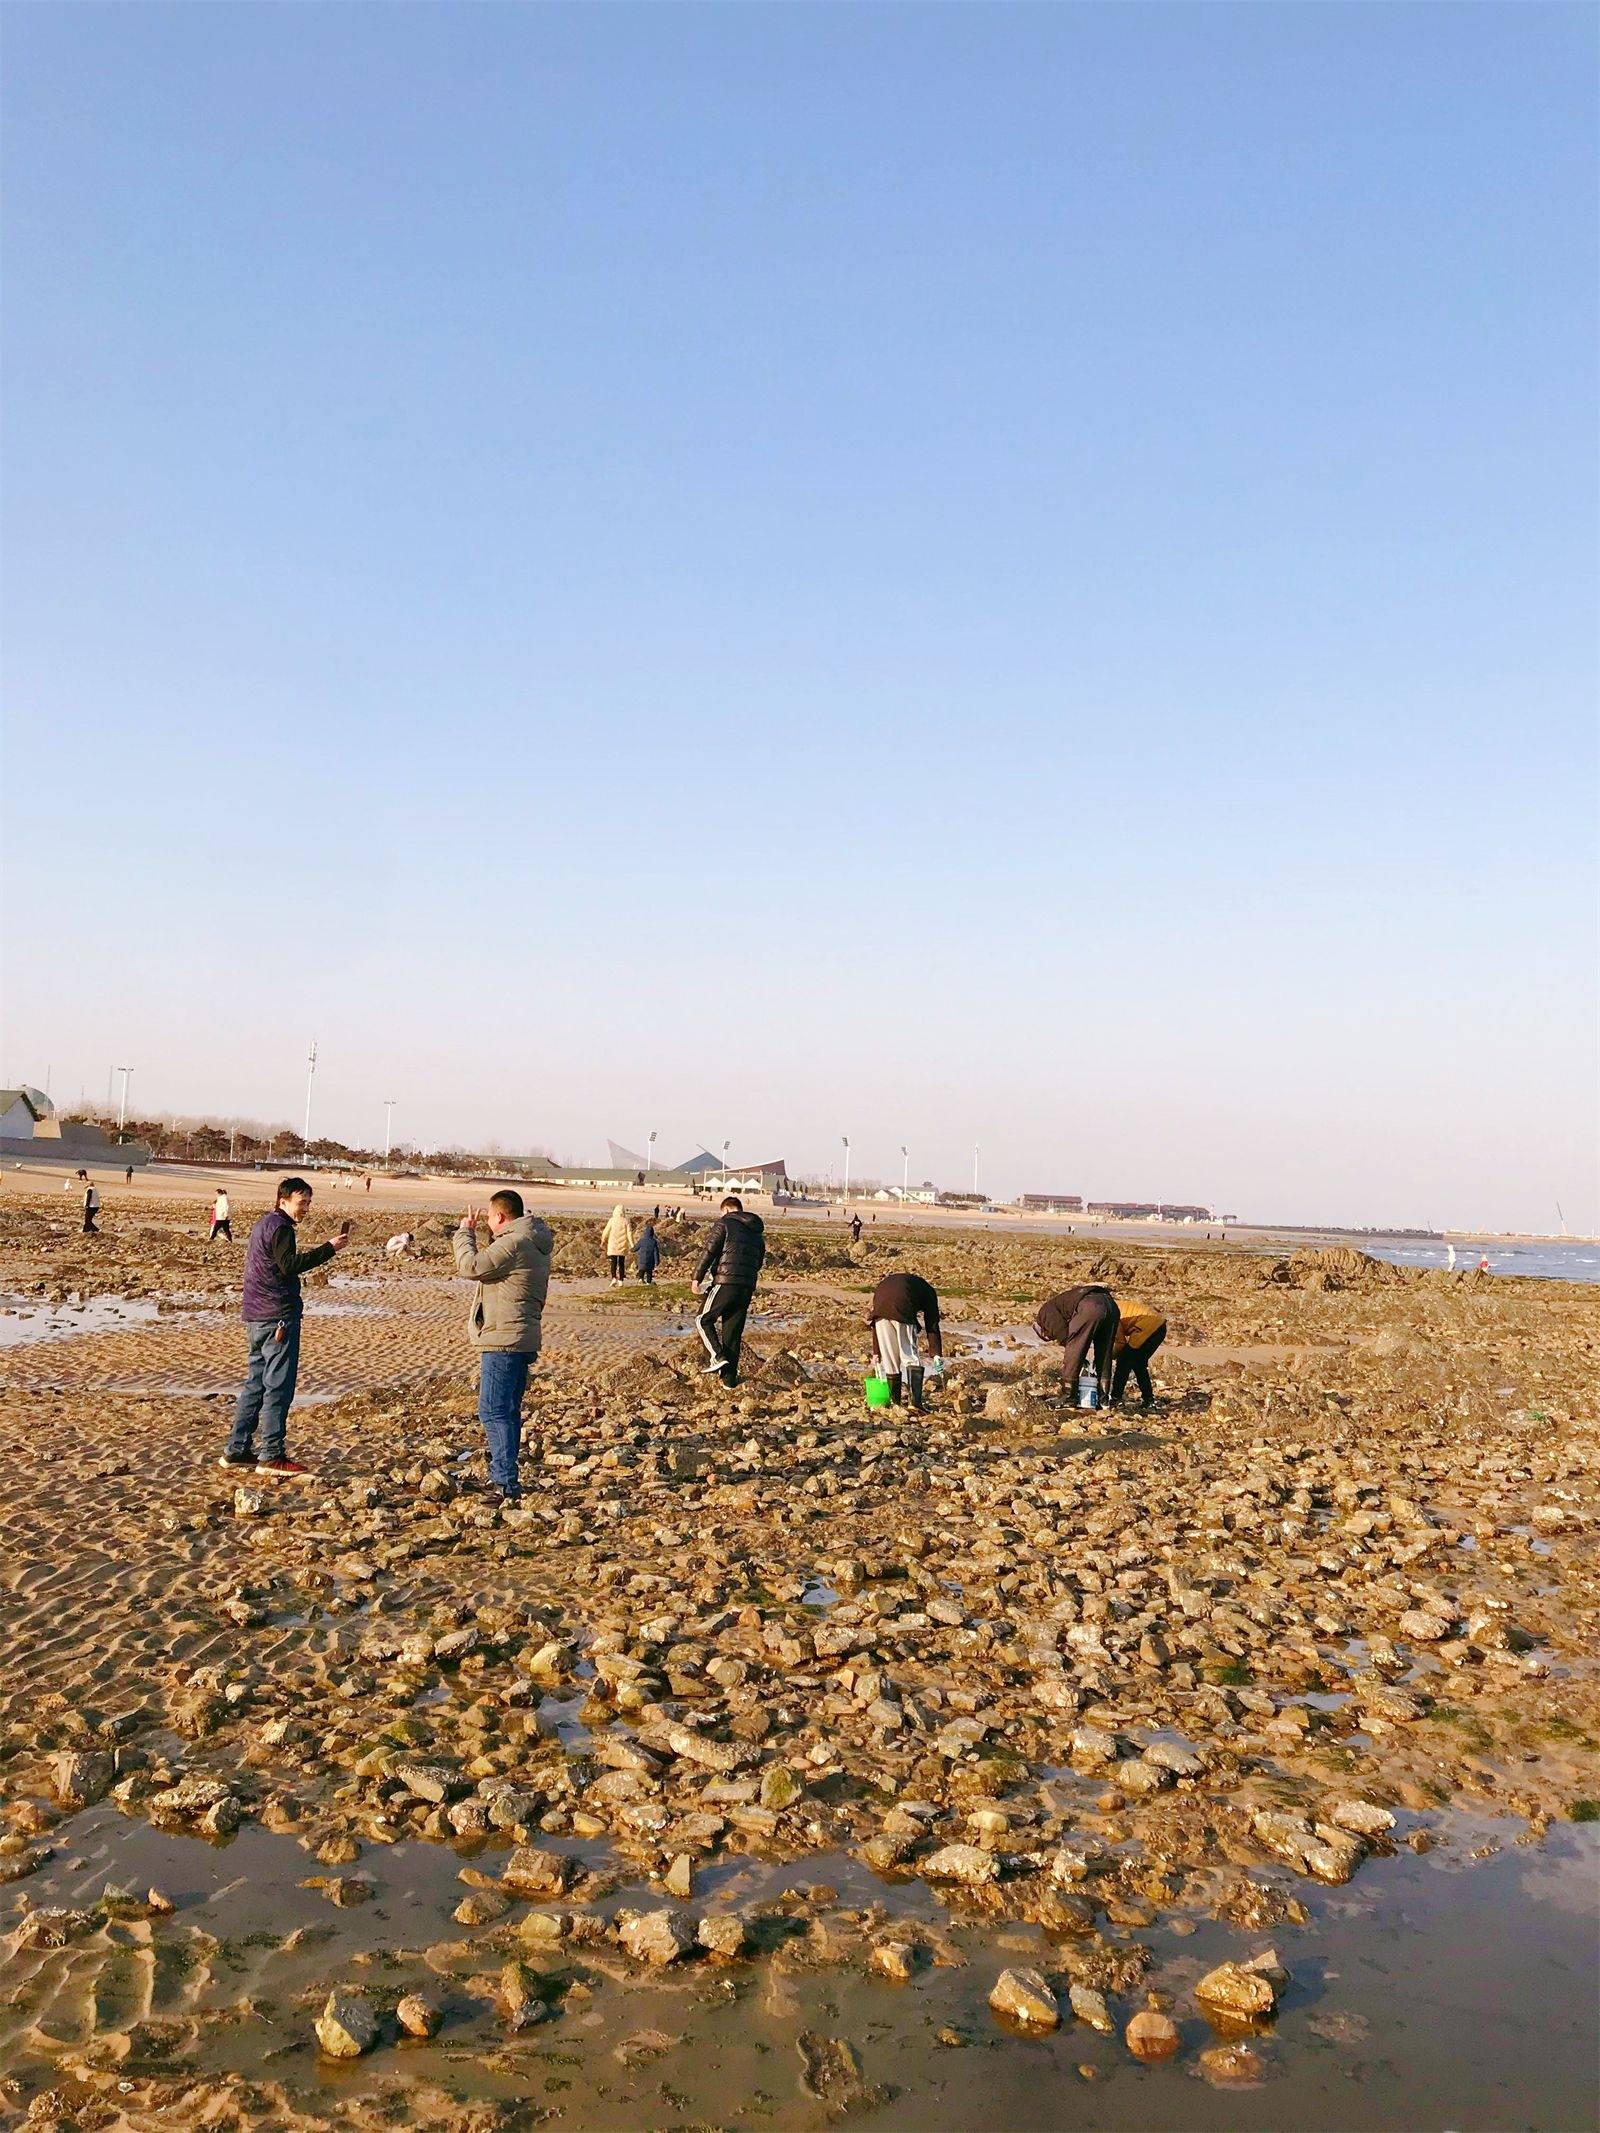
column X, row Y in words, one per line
column 289, row 1469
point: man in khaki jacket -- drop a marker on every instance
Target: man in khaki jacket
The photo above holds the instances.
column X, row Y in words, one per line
column 512, row 1273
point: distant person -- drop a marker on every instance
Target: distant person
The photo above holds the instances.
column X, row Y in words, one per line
column 221, row 1217
column 366, row 1184
column 1140, row 1332
column 616, row 1241
column 1483, row 1264
column 855, row 1229
column 505, row 1323
column 647, row 1253
column 729, row 1267
column 91, row 1205
column 1450, row 1257
column 271, row 1308
column 127, row 1175
column 399, row 1244
column 1082, row 1320
column 904, row 1308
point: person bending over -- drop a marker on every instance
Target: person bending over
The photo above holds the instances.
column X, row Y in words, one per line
column 1081, row 1320
column 903, row 1307
column 1140, row 1332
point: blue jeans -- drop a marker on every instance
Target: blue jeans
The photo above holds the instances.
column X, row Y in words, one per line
column 268, row 1387
column 502, row 1380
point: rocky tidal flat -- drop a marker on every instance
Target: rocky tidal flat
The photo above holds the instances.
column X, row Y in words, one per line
column 775, row 1763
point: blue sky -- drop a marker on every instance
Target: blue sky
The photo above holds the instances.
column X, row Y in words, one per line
column 957, row 573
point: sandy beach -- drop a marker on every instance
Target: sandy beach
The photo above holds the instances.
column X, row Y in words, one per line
column 731, row 1778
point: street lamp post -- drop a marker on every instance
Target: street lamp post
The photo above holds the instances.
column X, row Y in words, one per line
column 388, row 1127
column 122, row 1107
column 846, row 1139
column 974, row 1168
column 905, row 1171
column 311, row 1075
column 649, row 1155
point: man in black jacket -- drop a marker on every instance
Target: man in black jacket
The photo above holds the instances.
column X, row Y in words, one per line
column 731, row 1261
column 1081, row 1319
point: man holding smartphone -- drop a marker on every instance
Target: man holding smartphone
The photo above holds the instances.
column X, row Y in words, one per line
column 504, row 1323
column 273, row 1265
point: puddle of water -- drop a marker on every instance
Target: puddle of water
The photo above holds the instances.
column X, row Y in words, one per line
column 1393, row 2018
column 23, row 1322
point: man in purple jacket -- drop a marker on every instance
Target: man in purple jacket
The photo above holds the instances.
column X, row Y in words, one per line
column 273, row 1265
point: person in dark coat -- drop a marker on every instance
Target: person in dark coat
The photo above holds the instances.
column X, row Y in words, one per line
column 272, row 1308
column 647, row 1253
column 1081, row 1320
column 730, row 1266
column 903, row 1313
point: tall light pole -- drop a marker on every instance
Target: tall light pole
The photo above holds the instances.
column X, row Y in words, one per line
column 725, row 1147
column 388, row 1126
column 905, row 1170
column 649, row 1154
column 974, row 1168
column 846, row 1139
column 122, row 1107
column 311, row 1075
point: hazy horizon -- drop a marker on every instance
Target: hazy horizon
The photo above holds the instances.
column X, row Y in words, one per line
column 1005, row 575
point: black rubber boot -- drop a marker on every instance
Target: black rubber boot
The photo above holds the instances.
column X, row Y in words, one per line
column 918, row 1379
column 894, row 1390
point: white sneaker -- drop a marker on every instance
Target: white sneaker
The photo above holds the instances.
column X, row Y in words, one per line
column 714, row 1369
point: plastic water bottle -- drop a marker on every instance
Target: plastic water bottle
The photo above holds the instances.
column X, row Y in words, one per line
column 1089, row 1385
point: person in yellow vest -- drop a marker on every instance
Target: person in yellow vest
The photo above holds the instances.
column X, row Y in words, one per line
column 1140, row 1332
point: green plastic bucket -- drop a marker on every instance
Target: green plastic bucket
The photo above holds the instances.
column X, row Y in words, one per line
column 877, row 1391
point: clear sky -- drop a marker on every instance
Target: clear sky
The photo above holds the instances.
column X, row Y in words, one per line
column 948, row 574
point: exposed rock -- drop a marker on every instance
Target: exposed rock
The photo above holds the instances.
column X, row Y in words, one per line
column 961, row 1862
column 1151, row 2036
column 655, row 1937
column 419, row 2015
column 532, row 1872
column 347, row 2026
column 1024, row 1996
column 1090, row 2006
column 1231, row 1989
column 82, row 1779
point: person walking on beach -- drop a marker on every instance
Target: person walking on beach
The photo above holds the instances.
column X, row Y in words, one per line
column 855, row 1229
column 127, row 1175
column 1082, row 1320
column 505, row 1323
column 616, row 1241
column 730, row 1267
column 271, row 1308
column 91, row 1204
column 221, row 1217
column 1140, row 1332
column 647, row 1253
column 904, row 1307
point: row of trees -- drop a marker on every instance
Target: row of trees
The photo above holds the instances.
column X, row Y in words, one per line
column 241, row 1140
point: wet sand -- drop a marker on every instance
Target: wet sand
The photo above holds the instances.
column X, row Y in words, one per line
column 1305, row 1660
